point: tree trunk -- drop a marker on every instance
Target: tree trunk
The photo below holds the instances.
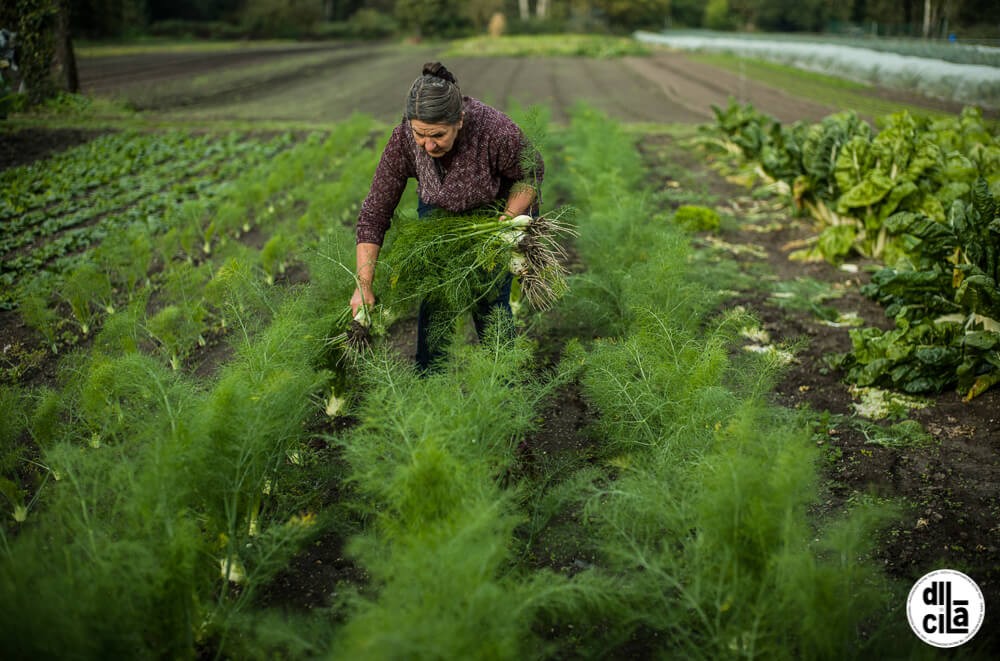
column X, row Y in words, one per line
column 523, row 9
column 541, row 9
column 927, row 18
column 65, row 58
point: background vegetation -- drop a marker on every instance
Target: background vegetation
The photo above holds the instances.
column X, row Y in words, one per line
column 46, row 28
column 101, row 19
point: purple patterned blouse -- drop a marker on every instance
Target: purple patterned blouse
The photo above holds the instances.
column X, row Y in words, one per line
column 481, row 167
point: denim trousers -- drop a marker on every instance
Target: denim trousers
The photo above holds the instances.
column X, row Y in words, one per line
column 430, row 352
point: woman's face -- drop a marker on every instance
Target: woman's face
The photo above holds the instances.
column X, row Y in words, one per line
column 436, row 139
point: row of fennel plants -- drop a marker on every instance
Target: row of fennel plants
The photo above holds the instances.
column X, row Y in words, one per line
column 230, row 292
column 128, row 304
column 175, row 495
column 920, row 197
column 703, row 514
column 167, row 505
column 434, row 460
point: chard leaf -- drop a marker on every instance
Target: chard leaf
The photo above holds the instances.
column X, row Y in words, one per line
column 875, row 186
column 926, row 156
column 979, row 294
column 936, row 356
column 891, row 202
column 836, row 241
column 936, row 238
column 983, row 202
column 982, row 384
column 854, row 162
column 932, row 207
column 981, row 340
column 957, row 167
column 912, row 285
column 951, row 191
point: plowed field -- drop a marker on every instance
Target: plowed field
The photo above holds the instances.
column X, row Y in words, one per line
column 331, row 82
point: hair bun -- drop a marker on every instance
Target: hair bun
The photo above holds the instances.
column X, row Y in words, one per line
column 438, row 70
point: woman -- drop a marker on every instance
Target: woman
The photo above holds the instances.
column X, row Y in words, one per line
column 465, row 156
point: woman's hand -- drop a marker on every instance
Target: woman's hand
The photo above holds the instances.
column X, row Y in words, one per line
column 518, row 203
column 363, row 295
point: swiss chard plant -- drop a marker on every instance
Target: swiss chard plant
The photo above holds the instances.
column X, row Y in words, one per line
column 850, row 179
column 879, row 176
column 945, row 300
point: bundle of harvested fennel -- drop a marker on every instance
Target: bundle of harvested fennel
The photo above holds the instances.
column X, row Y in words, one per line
column 456, row 261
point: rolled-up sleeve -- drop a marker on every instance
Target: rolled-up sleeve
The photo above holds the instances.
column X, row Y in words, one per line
column 387, row 188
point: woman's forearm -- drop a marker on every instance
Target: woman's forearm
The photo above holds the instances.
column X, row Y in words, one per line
column 367, row 254
column 364, row 294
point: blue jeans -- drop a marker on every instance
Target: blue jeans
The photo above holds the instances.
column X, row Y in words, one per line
column 428, row 352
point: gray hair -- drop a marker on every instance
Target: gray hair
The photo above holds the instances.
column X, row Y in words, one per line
column 434, row 97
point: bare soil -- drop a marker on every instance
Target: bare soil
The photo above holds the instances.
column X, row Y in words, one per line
column 28, row 145
column 111, row 74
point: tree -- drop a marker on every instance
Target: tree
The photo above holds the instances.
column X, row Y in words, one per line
column 633, row 14
column 480, row 11
column 281, row 18
column 940, row 15
column 341, row 10
column 541, row 9
column 745, row 13
column 102, row 19
column 687, row 13
column 979, row 14
column 791, row 15
column 35, row 22
column 717, row 16
column 65, row 57
column 432, row 18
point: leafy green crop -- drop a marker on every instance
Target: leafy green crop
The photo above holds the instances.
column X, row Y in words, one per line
column 945, row 300
column 851, row 179
column 697, row 219
column 919, row 196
